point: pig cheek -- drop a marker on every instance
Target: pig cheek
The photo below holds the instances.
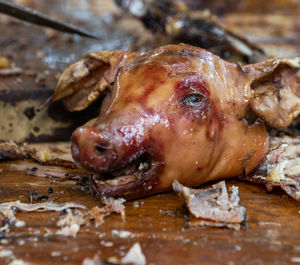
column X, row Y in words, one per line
column 178, row 146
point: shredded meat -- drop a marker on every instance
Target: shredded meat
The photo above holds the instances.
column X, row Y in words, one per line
column 213, row 206
column 71, row 222
column 281, row 167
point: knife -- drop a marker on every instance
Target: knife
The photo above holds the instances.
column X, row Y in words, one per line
column 41, row 19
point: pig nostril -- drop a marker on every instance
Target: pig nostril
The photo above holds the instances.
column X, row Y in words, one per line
column 101, row 148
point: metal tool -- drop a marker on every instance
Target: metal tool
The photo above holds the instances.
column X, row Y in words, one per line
column 41, row 19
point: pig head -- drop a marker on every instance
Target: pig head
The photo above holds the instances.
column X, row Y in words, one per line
column 176, row 112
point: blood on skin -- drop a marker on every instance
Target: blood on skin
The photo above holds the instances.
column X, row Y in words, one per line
column 194, row 85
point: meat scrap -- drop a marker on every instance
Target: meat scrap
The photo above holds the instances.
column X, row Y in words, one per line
column 73, row 220
column 111, row 206
column 12, row 151
column 213, row 206
column 70, row 223
column 281, row 167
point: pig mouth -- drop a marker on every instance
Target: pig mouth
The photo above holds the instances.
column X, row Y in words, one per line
column 135, row 179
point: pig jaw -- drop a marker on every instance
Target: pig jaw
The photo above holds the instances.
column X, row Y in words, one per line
column 130, row 171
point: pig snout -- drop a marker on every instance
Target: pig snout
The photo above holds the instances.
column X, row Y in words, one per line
column 93, row 149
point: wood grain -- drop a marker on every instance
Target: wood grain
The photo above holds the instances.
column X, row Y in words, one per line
column 157, row 223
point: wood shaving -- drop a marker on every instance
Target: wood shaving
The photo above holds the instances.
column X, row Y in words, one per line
column 213, row 207
column 281, row 167
column 42, row 207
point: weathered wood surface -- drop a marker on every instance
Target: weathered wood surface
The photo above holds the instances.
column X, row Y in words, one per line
column 157, row 223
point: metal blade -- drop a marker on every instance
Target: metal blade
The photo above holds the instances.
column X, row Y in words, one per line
column 41, row 19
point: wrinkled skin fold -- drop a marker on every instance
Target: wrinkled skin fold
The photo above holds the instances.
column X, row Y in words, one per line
column 176, row 112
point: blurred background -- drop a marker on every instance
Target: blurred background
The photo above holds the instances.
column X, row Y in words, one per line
column 32, row 57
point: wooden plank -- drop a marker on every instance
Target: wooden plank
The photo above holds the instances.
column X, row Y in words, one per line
column 157, row 223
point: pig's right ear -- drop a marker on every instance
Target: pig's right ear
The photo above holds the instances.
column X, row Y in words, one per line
column 275, row 85
column 85, row 80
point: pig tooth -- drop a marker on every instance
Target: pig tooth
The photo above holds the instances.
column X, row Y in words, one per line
column 112, row 182
column 143, row 165
column 100, row 182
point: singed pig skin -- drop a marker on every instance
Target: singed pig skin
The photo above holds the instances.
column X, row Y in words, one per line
column 181, row 111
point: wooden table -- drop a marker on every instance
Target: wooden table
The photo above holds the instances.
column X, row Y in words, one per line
column 157, row 223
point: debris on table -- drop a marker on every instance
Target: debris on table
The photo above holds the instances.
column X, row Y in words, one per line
column 94, row 261
column 213, row 207
column 35, row 196
column 12, row 151
column 134, row 256
column 41, row 154
column 112, row 205
column 72, row 221
column 41, row 207
column 8, row 210
column 54, row 173
column 281, row 167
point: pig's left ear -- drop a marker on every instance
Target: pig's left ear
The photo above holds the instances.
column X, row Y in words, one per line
column 276, row 90
column 85, row 80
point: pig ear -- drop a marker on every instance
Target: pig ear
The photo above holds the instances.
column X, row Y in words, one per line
column 85, row 80
column 276, row 90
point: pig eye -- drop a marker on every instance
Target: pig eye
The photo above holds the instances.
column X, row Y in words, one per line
column 192, row 100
